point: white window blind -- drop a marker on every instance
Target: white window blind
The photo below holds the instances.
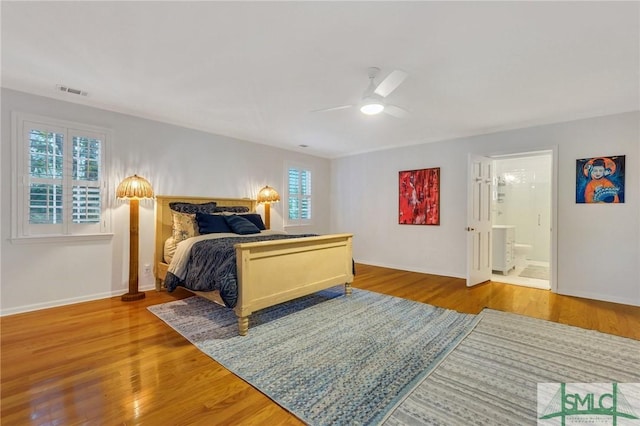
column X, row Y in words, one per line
column 299, row 195
column 59, row 175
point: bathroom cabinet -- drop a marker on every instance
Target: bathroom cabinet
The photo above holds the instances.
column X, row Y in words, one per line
column 503, row 245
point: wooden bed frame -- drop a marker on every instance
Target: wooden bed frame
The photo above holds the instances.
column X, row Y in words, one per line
column 269, row 272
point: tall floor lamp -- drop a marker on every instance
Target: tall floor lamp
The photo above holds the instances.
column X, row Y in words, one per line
column 266, row 196
column 134, row 188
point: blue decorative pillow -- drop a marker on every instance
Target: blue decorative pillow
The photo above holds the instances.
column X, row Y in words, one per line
column 240, row 225
column 256, row 219
column 181, row 207
column 212, row 223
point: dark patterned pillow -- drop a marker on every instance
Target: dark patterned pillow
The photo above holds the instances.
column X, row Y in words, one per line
column 240, row 225
column 192, row 208
column 212, row 223
column 233, row 209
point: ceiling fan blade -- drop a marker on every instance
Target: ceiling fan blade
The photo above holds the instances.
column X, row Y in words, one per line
column 391, row 83
column 396, row 111
column 332, row 108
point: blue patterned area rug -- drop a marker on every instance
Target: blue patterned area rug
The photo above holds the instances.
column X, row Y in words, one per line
column 492, row 376
column 327, row 358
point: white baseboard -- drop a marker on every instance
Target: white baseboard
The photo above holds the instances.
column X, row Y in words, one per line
column 600, row 297
column 69, row 301
column 410, row 269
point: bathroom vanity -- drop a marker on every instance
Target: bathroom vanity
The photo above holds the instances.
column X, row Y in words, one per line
column 503, row 248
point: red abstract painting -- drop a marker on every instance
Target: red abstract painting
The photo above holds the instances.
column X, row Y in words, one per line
column 420, row 197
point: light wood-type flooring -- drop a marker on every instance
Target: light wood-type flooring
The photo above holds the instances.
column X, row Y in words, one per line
column 109, row 362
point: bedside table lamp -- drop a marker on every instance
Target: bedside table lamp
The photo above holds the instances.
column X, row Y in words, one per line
column 266, row 196
column 133, row 189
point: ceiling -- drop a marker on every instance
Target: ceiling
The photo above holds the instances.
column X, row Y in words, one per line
column 256, row 70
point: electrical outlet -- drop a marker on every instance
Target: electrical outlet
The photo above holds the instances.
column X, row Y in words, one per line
column 147, row 268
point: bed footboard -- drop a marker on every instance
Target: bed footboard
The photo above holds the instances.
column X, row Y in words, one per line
column 272, row 272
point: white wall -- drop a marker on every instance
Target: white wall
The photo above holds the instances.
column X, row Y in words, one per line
column 598, row 248
column 177, row 161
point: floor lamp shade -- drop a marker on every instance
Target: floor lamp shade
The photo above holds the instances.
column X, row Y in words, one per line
column 134, row 188
column 266, row 196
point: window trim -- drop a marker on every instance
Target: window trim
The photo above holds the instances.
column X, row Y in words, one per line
column 298, row 222
column 19, row 170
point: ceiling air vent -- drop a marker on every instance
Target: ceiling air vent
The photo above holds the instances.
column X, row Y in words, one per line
column 71, row 90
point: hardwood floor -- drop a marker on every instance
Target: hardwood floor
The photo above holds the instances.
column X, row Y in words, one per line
column 113, row 362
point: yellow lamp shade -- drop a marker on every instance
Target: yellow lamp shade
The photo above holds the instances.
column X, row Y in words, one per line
column 268, row 195
column 135, row 187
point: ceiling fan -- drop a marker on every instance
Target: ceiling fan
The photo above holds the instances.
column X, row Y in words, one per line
column 373, row 100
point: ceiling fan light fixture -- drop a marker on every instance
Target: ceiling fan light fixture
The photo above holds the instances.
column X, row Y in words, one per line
column 373, row 100
column 371, row 106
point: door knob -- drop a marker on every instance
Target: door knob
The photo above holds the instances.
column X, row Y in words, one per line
column 470, row 229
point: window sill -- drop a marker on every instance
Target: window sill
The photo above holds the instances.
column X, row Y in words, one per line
column 61, row 238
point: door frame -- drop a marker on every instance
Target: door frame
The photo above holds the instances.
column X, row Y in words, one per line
column 553, row 255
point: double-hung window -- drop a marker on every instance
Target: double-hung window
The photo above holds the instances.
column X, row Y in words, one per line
column 59, row 178
column 299, row 195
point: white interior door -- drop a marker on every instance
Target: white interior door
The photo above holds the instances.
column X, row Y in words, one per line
column 479, row 183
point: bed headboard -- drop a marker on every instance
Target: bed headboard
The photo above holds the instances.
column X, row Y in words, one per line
column 164, row 222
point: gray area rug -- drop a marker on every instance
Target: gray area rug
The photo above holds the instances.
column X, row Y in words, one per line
column 491, row 377
column 329, row 359
column 535, row 271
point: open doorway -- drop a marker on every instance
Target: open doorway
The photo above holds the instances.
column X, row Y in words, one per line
column 521, row 219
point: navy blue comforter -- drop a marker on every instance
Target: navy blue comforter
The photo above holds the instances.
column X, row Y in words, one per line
column 212, row 266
